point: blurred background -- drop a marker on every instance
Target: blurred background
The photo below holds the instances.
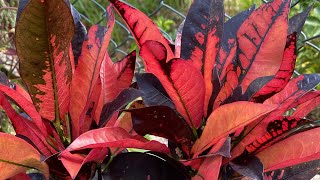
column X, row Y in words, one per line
column 167, row 15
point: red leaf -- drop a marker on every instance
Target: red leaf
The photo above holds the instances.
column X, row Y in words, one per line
column 200, row 41
column 285, row 99
column 43, row 37
column 26, row 128
column 262, row 39
column 17, row 156
column 182, row 81
column 74, row 162
column 299, row 148
column 114, row 137
column 282, row 77
column 209, row 169
column 27, row 106
column 115, row 78
column 141, row 26
column 227, row 119
column 94, row 50
column 305, row 108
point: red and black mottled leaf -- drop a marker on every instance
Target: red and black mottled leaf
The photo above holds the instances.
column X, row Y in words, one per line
column 297, row 21
column 182, row 81
column 285, row 100
column 200, row 41
column 262, row 38
column 141, row 26
column 43, row 37
column 164, row 122
column 79, row 35
column 94, row 50
column 115, row 78
column 303, row 109
column 137, row 165
column 225, row 120
column 259, row 91
column 276, row 130
column 124, row 98
column 153, row 92
column 114, row 137
column 299, row 148
column 228, row 50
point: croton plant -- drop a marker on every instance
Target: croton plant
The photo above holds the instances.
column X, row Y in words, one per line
column 223, row 97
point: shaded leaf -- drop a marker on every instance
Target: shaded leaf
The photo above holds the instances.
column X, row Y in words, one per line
column 182, row 81
column 305, row 108
column 300, row 148
column 114, row 137
column 141, row 26
column 252, row 168
column 297, row 21
column 94, row 50
column 153, row 92
column 164, row 122
column 124, row 98
column 225, row 120
column 136, row 165
column 42, row 41
column 17, row 156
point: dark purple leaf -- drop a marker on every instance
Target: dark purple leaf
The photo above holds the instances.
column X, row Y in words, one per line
column 153, row 92
column 252, row 168
column 125, row 97
column 164, row 122
column 297, row 21
column 136, row 165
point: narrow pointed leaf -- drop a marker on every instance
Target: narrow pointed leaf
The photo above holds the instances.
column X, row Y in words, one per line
column 79, row 35
column 182, row 81
column 164, row 122
column 141, row 26
column 280, row 79
column 94, row 50
column 114, row 137
column 225, row 120
column 124, row 98
column 18, row 156
column 200, row 41
column 26, row 128
column 300, row 148
column 153, row 92
column 305, row 108
column 136, row 165
column 262, row 38
column 177, row 42
column 27, row 106
column 297, row 21
column 43, row 37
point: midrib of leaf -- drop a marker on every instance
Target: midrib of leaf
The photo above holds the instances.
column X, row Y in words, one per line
column 17, row 164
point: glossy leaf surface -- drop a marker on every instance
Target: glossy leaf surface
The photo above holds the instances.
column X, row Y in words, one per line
column 182, row 81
